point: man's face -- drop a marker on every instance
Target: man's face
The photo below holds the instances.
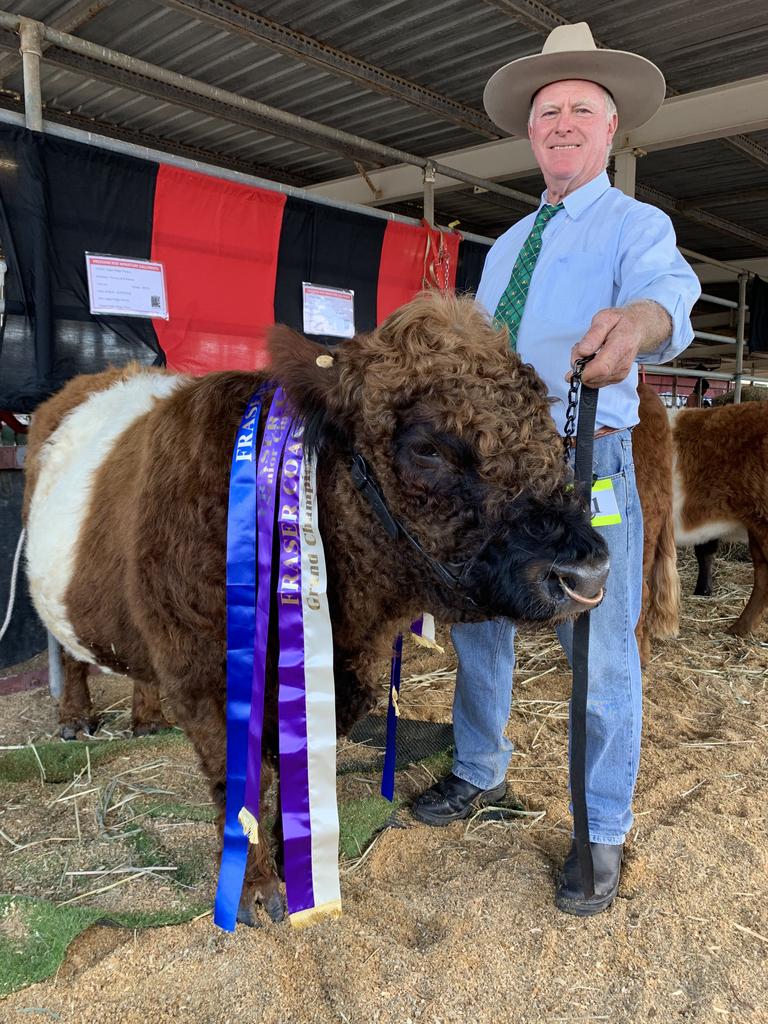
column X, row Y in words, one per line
column 570, row 133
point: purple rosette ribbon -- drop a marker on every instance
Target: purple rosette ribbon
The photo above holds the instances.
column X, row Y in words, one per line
column 267, row 475
column 306, row 704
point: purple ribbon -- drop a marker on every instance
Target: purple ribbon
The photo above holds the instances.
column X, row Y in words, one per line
column 275, row 434
column 294, row 771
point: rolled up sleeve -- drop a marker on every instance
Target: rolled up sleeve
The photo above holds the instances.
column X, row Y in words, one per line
column 649, row 266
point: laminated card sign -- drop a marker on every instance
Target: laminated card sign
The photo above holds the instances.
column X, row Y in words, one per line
column 120, row 286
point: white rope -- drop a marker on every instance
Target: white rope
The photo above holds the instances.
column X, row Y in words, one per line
column 14, row 574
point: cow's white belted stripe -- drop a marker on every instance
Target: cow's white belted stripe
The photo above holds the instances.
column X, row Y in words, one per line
column 64, row 491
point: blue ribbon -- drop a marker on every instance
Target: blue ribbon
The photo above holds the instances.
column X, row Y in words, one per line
column 388, row 773
column 241, row 618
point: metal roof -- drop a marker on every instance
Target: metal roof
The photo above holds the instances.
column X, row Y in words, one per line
column 407, row 75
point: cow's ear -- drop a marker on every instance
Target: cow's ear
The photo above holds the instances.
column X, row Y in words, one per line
column 310, row 376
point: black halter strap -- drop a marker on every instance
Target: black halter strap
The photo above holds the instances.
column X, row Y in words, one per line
column 452, row 574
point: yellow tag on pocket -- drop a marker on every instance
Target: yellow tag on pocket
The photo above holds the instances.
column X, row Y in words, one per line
column 605, row 510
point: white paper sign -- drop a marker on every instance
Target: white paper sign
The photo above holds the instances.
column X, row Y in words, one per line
column 328, row 310
column 126, row 287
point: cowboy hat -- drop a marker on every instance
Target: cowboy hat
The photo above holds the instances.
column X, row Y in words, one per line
column 637, row 85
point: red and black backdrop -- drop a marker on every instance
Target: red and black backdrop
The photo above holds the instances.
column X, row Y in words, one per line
column 235, row 257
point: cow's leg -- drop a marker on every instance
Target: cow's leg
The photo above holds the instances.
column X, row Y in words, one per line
column 262, row 881
column 75, row 709
column 355, row 684
column 204, row 722
column 147, row 715
column 705, row 556
column 750, row 618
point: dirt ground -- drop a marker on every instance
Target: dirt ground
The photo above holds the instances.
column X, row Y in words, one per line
column 455, row 924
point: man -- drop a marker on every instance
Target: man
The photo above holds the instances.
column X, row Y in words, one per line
column 591, row 272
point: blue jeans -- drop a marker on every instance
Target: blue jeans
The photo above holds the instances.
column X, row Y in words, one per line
column 614, row 709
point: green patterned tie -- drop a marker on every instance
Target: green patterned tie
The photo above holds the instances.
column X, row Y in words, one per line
column 512, row 302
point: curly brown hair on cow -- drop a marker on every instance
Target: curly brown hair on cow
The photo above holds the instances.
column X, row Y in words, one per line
column 127, row 514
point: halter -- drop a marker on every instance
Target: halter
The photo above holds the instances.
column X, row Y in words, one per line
column 452, row 574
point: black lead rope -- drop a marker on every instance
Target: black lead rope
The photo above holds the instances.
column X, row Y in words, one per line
column 585, row 437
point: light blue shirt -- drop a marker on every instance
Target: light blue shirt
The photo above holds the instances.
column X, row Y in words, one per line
column 603, row 249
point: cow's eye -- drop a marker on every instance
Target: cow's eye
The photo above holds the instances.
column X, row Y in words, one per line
column 425, row 454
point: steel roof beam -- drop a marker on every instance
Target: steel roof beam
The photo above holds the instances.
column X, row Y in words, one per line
column 264, row 32
column 533, row 15
column 727, row 227
column 707, row 114
column 750, row 195
column 749, row 147
column 682, row 120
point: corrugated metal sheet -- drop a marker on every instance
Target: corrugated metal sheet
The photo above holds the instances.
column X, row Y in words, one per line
column 447, row 46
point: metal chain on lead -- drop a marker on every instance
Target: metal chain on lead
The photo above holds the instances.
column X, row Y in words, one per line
column 573, row 403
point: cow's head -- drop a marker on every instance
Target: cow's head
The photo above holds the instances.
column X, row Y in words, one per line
column 458, row 434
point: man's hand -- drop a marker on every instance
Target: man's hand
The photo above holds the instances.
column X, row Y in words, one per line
column 618, row 335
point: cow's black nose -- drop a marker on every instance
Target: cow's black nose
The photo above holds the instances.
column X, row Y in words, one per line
column 582, row 584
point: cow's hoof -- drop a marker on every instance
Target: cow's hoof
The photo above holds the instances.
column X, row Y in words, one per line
column 69, row 730
column 275, row 907
column 738, row 628
column 248, row 916
column 150, row 728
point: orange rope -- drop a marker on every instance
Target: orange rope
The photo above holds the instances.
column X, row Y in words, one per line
column 437, row 270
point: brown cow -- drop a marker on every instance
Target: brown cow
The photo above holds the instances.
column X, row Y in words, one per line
column 718, row 488
column 126, row 509
column 705, row 553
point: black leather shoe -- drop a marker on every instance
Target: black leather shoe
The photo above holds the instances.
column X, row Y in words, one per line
column 606, row 861
column 452, row 799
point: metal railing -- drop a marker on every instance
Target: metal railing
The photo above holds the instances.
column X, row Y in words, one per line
column 738, row 376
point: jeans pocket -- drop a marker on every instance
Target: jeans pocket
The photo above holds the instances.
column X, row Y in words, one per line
column 610, row 459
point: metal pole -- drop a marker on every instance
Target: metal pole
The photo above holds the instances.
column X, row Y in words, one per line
column 625, row 164
column 682, row 371
column 31, row 49
column 429, row 194
column 743, row 278
column 55, row 670
column 697, row 257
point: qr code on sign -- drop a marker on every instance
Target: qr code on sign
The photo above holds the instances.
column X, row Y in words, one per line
column 154, row 301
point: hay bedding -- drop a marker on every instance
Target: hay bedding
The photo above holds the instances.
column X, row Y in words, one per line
column 442, row 925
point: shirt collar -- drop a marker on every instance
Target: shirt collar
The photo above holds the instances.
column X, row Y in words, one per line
column 577, row 202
